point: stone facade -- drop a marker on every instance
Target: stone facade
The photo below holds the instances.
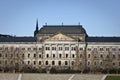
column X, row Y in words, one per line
column 60, row 51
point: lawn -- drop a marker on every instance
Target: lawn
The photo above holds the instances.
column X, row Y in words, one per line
column 112, row 78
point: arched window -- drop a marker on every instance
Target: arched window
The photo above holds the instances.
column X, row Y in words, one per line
column 88, row 55
column 47, row 55
column 53, row 62
column 59, row 63
column 88, row 63
column 39, row 62
column 60, row 55
column 66, row 63
column 73, row 56
column 53, row 55
column 46, row 62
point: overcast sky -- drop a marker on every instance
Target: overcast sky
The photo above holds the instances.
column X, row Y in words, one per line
column 98, row 17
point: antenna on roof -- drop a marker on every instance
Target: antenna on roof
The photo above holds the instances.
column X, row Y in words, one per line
column 46, row 24
column 79, row 23
column 62, row 23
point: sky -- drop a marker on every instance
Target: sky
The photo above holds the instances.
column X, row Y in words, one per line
column 98, row 17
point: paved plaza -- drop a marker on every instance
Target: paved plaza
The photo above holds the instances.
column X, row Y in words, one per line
column 36, row 76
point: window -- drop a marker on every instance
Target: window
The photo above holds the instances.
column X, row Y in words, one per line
column 107, row 56
column 40, row 56
column 66, row 63
column 29, row 48
column 101, row 49
column 80, row 55
column 60, row 55
column 34, row 62
column 80, row 63
column 17, row 55
column 88, row 55
column 72, row 63
column 53, row 48
column 53, row 62
column 28, row 55
column 73, row 48
column 89, row 49
column 11, row 62
column 113, row 56
column 95, row 49
column 53, row 55
column 23, row 48
column 60, row 48
column 107, row 49
column 47, row 55
column 100, row 63
column 40, row 48
column 119, row 55
column 0, row 55
column 17, row 48
column 88, row 63
column 59, row 63
column 23, row 55
column 39, row 62
column 119, row 49
column 5, row 55
column 113, row 64
column 28, row 62
column 95, row 55
column 101, row 56
column 66, row 55
column 34, row 49
column 5, row 62
column 7, row 48
column 113, row 49
column 47, row 48
column 11, row 55
column 46, row 62
column 22, row 62
column 66, row 48
column 81, row 49
column 73, row 56
column 94, row 63
column 34, row 55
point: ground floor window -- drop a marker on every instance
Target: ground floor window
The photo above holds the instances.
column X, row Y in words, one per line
column 53, row 62
column 59, row 63
column 39, row 62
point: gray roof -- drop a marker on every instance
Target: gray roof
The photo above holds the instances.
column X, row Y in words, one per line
column 103, row 39
column 3, row 35
column 66, row 29
column 17, row 39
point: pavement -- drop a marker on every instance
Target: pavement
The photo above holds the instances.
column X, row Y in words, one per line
column 40, row 76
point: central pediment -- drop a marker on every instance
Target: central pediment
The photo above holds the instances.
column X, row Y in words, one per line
column 60, row 37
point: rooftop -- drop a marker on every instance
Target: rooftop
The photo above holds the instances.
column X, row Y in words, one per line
column 103, row 39
column 17, row 39
column 66, row 29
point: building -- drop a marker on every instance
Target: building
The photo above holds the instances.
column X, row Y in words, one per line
column 60, row 47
